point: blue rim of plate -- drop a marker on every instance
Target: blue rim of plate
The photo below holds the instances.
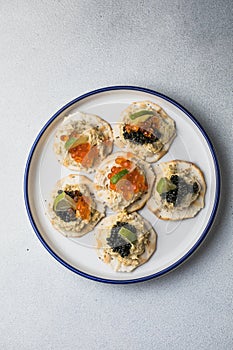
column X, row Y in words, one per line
column 208, row 225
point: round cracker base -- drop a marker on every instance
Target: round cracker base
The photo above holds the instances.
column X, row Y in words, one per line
column 139, row 150
column 104, row 230
column 58, row 224
column 102, row 193
column 155, row 203
column 59, row 146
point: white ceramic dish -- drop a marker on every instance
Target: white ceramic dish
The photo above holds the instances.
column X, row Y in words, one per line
column 176, row 240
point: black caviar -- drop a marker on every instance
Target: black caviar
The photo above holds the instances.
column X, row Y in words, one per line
column 140, row 136
column 67, row 215
column 116, row 242
column 195, row 187
column 74, row 194
column 182, row 189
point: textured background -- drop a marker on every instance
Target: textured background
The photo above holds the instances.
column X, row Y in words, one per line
column 53, row 51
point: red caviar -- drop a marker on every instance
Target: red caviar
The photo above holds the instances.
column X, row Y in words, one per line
column 79, row 152
column 137, row 181
column 83, row 207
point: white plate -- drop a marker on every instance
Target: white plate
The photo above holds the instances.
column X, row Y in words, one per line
column 176, row 240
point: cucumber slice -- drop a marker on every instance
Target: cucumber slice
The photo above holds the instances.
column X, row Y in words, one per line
column 118, row 176
column 164, row 185
column 128, row 235
column 73, row 141
column 63, row 202
column 140, row 113
column 70, row 142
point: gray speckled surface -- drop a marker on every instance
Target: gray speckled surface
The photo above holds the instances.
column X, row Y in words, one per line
column 53, row 51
